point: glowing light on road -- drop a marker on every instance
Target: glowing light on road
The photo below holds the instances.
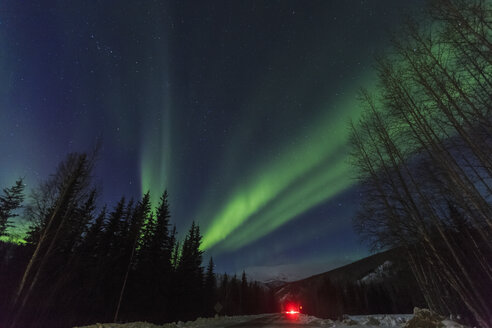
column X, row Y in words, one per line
column 292, row 312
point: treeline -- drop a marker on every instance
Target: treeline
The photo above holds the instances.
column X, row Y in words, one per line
column 394, row 294
column 333, row 299
column 423, row 152
column 382, row 284
column 239, row 297
column 81, row 266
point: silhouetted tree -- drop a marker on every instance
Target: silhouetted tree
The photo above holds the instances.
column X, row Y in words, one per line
column 137, row 220
column 424, row 142
column 72, row 185
column 243, row 300
column 10, row 202
column 210, row 289
column 82, row 265
column 190, row 274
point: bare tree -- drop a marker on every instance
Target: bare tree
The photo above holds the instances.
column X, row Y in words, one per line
column 71, row 184
column 423, row 150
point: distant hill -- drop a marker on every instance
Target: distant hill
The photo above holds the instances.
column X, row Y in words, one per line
column 381, row 283
column 358, row 269
column 275, row 284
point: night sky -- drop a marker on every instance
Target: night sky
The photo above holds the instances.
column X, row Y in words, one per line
column 238, row 108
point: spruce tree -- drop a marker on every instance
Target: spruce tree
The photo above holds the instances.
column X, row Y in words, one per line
column 10, row 201
column 210, row 288
column 175, row 247
column 224, row 291
column 163, row 240
column 77, row 224
column 190, row 274
column 93, row 238
column 161, row 248
column 244, row 294
column 112, row 229
column 139, row 216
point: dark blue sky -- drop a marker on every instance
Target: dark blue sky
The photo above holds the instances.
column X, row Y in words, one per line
column 238, row 108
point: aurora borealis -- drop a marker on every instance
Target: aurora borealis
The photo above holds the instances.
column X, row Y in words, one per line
column 238, row 108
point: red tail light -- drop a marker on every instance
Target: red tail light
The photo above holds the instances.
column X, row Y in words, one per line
column 292, row 312
column 293, row 308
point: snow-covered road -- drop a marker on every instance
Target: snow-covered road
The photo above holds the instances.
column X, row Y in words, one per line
column 282, row 320
column 276, row 320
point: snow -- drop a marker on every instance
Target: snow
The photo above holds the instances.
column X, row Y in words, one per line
column 274, row 283
column 451, row 324
column 378, row 274
column 385, row 320
column 221, row 321
column 282, row 320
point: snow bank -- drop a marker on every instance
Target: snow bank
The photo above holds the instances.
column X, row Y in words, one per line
column 424, row 318
column 420, row 319
column 212, row 322
column 354, row 321
column 198, row 323
column 383, row 320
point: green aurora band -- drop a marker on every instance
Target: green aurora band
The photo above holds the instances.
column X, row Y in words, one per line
column 303, row 176
column 248, row 197
column 155, row 166
column 308, row 171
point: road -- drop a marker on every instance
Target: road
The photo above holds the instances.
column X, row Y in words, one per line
column 277, row 320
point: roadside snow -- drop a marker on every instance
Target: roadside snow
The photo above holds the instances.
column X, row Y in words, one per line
column 451, row 324
column 384, row 320
column 198, row 323
column 352, row 321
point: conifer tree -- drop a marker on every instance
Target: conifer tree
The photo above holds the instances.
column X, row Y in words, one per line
column 243, row 302
column 93, row 238
column 161, row 241
column 10, row 201
column 210, row 288
column 137, row 220
column 78, row 223
column 112, row 229
column 224, row 291
column 190, row 273
column 156, row 271
column 175, row 247
column 235, row 295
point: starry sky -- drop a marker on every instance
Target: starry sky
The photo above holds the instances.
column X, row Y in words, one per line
column 238, row 108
